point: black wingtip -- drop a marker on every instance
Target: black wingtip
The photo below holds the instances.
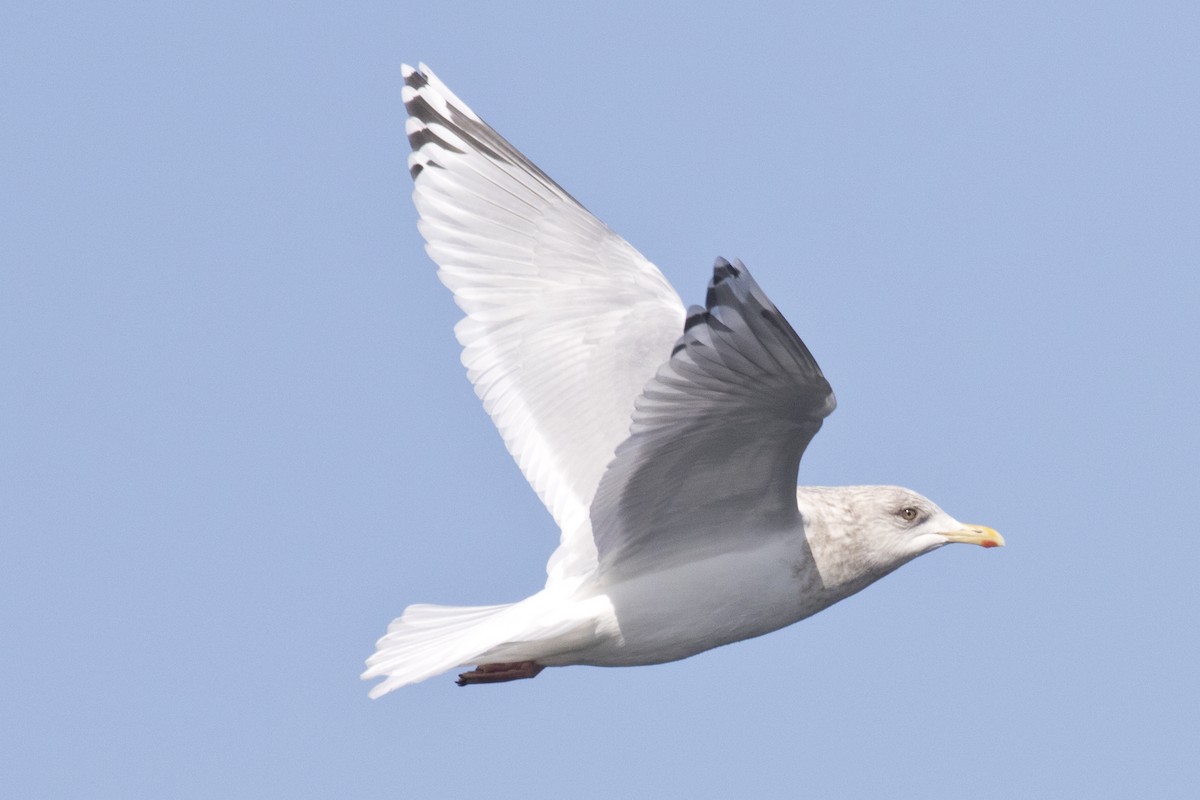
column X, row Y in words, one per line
column 416, row 79
column 422, row 136
column 722, row 269
column 695, row 316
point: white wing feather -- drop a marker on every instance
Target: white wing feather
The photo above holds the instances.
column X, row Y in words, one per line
column 565, row 321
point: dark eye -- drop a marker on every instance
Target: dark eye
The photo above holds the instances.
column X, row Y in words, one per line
column 908, row 513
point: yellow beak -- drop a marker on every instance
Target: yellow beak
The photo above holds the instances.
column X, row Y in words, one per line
column 976, row 534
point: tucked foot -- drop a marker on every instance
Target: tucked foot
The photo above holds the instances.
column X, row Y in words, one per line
column 499, row 673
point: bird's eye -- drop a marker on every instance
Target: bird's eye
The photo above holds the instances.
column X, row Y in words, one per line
column 909, row 513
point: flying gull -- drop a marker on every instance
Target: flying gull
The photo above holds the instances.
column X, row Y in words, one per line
column 664, row 442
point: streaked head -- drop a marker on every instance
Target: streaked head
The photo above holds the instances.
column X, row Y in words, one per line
column 868, row 531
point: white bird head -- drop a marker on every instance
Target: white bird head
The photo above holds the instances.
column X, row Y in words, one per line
column 858, row 534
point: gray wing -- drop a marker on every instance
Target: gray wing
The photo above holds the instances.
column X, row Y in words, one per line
column 713, row 454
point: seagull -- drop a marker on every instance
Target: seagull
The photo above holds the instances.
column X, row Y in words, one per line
column 665, row 442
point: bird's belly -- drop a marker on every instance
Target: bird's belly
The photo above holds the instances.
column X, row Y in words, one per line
column 684, row 610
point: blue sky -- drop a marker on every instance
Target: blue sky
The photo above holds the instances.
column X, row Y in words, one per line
column 236, row 440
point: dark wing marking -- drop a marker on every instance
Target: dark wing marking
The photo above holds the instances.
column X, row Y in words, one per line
column 717, row 435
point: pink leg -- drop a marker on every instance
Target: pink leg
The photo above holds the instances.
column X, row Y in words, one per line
column 499, row 673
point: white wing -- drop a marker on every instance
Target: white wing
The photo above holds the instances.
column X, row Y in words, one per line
column 717, row 436
column 566, row 322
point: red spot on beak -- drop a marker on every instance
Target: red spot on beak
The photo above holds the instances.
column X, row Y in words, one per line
column 989, row 543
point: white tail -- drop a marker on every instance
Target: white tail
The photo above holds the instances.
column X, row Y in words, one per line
column 427, row 640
